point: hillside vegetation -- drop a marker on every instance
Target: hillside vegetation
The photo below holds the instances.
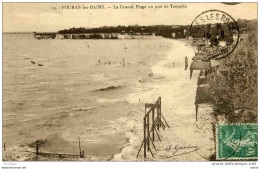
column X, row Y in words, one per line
column 235, row 86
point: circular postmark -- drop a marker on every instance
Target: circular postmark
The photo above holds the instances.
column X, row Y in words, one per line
column 230, row 3
column 216, row 33
column 204, row 128
column 203, row 125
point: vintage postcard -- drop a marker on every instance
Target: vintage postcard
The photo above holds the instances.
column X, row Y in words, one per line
column 129, row 81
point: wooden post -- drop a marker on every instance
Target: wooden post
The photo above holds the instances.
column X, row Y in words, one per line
column 79, row 148
column 144, row 137
column 145, row 109
column 153, row 123
column 186, row 63
column 160, row 105
column 82, row 154
column 148, row 132
column 123, row 61
column 191, row 70
column 196, row 111
column 158, row 119
column 37, row 148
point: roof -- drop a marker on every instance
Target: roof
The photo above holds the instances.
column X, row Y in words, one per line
column 200, row 54
column 201, row 44
column 200, row 65
column 195, row 58
column 215, row 63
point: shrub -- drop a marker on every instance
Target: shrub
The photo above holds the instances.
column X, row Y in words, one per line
column 235, row 85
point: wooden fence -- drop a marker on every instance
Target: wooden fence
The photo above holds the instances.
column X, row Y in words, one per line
column 59, row 155
column 152, row 123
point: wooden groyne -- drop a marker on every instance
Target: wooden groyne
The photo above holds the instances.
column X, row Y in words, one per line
column 38, row 153
column 152, row 122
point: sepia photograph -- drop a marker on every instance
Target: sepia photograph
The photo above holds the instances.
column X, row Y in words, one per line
column 131, row 82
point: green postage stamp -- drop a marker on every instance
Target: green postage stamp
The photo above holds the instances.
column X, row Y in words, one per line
column 236, row 141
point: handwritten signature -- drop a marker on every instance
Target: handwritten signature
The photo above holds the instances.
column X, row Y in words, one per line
column 179, row 150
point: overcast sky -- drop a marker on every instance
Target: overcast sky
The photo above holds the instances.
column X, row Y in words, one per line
column 40, row 17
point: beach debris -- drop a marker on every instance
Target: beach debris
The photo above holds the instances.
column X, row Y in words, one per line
column 26, row 58
column 150, row 74
column 40, row 64
column 32, row 62
column 4, row 146
column 98, row 60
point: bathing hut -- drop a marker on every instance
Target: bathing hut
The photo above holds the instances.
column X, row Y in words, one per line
column 200, row 45
column 199, row 65
column 202, row 97
column 44, row 35
column 59, row 36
